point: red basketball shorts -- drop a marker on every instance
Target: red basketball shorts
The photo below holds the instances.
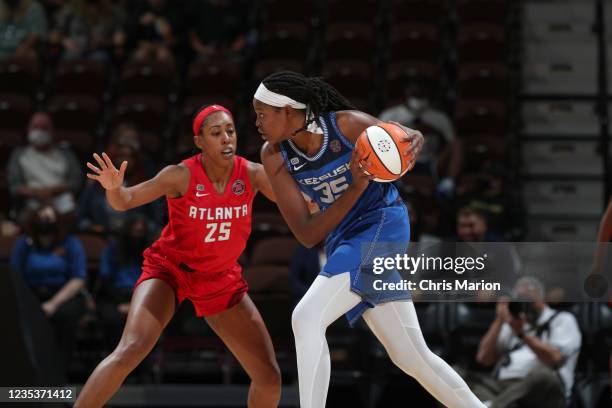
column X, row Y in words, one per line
column 210, row 293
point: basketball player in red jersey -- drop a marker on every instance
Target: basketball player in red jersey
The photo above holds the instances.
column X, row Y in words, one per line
column 209, row 199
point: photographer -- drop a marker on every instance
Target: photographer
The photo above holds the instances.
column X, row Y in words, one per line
column 534, row 349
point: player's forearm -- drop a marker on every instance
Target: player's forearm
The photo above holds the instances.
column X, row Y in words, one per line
column 316, row 227
column 119, row 198
column 487, row 353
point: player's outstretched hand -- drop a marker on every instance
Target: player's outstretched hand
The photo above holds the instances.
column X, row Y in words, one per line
column 360, row 177
column 412, row 144
column 106, row 173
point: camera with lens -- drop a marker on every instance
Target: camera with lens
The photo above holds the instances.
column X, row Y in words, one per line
column 519, row 305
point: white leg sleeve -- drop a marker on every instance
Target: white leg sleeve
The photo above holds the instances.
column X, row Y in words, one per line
column 326, row 300
column 396, row 325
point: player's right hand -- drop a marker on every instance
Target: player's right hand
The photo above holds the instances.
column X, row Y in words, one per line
column 107, row 174
column 361, row 179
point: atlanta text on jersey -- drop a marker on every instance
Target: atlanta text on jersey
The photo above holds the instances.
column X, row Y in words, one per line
column 218, row 213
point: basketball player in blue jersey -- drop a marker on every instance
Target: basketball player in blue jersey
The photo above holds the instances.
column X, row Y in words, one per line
column 310, row 130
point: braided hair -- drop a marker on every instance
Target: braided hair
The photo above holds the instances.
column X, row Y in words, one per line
column 314, row 92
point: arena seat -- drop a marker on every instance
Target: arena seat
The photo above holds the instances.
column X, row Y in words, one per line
column 560, row 68
column 273, row 251
column 10, row 140
column 146, row 112
column 349, row 41
column 483, row 80
column 432, row 320
column 348, row 10
column 482, row 150
column 88, row 77
column 75, row 112
column 267, row 279
column 602, row 337
column 564, row 119
column 481, row 42
column 468, row 324
column 421, row 11
column 146, row 78
column 190, row 351
column 415, row 42
column 212, row 78
column 266, row 67
column 279, row 11
column 551, row 158
column 343, row 75
column 153, row 143
column 15, row 111
column 399, row 73
column 82, row 143
column 496, row 11
column 283, row 41
column 19, row 75
column 564, row 197
column 478, row 116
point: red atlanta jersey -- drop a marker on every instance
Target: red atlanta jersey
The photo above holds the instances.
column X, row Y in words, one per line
column 207, row 231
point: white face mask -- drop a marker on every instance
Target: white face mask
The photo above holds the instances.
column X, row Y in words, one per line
column 38, row 137
column 417, row 104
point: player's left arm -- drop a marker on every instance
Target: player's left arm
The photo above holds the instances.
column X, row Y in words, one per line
column 259, row 180
column 352, row 123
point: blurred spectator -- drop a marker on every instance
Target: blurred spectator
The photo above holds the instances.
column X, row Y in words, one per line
column 43, row 173
column 535, row 349
column 155, row 26
column 486, row 192
column 472, row 227
column 119, row 269
column 218, row 28
column 127, row 134
column 22, row 25
column 96, row 215
column 442, row 155
column 53, row 265
column 89, row 29
column 7, row 227
column 306, row 264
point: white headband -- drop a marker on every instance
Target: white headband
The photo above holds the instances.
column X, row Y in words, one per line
column 268, row 97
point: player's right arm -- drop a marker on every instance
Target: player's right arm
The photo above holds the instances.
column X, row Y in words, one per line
column 309, row 229
column 171, row 181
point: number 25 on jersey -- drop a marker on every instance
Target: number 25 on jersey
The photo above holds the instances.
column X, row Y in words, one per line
column 218, row 231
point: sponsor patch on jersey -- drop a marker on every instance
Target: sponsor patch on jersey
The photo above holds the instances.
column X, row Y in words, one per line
column 334, row 146
column 238, row 187
column 199, row 187
column 294, row 160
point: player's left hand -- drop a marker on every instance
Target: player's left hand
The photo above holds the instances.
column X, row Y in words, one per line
column 412, row 144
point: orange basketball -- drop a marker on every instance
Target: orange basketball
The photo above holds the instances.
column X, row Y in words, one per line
column 382, row 151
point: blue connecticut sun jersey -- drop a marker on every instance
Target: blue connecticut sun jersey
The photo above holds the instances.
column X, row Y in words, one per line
column 375, row 226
